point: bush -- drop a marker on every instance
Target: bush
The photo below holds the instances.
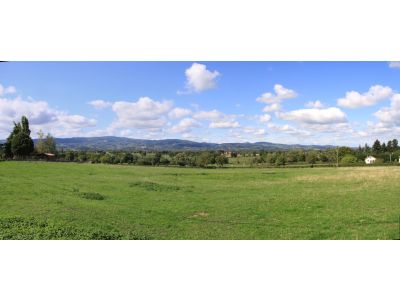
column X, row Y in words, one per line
column 348, row 159
column 22, row 144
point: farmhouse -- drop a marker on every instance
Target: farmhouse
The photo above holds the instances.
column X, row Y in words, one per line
column 370, row 160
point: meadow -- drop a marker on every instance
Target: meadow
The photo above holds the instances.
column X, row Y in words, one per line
column 45, row 200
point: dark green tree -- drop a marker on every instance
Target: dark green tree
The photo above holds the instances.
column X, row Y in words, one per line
column 21, row 145
column 221, row 160
column 383, row 147
column 376, row 147
column 389, row 146
column 395, row 144
column 280, row 160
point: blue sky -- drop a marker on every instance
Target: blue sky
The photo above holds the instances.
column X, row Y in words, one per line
column 346, row 103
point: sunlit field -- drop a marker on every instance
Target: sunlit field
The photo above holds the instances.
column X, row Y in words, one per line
column 40, row 200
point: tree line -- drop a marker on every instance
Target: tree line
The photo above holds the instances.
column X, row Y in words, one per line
column 19, row 145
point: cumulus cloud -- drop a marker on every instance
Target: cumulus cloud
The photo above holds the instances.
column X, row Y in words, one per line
column 185, row 126
column 41, row 116
column 144, row 113
column 390, row 115
column 217, row 118
column 265, row 118
column 100, row 104
column 199, row 79
column 281, row 93
column 178, row 113
column 394, row 64
column 224, row 124
column 7, row 90
column 314, row 104
column 271, row 108
column 375, row 94
column 286, row 128
column 210, row 115
column 315, row 115
column 258, row 132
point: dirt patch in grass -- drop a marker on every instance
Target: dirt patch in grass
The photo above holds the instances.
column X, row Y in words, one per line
column 153, row 186
column 200, row 214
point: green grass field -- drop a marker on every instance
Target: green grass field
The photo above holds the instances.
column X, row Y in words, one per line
column 84, row 201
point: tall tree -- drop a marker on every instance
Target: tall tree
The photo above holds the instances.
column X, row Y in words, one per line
column 7, row 148
column 376, row 147
column 25, row 125
column 389, row 146
column 367, row 148
column 395, row 144
column 45, row 144
column 383, row 147
column 19, row 143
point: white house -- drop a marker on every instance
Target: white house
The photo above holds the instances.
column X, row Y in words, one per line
column 370, row 160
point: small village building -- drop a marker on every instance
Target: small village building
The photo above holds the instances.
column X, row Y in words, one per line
column 228, row 154
column 370, row 160
column 46, row 156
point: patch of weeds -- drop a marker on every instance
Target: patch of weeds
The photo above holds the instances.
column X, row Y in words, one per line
column 92, row 196
column 18, row 228
column 75, row 190
column 153, row 186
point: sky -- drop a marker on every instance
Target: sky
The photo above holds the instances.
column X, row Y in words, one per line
column 336, row 103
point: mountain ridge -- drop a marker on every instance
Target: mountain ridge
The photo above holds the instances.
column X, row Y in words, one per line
column 107, row 143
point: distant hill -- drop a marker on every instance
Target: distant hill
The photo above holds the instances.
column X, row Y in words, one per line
column 121, row 143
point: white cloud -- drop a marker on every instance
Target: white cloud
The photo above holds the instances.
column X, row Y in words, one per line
column 315, row 116
column 41, row 116
column 281, row 93
column 100, row 104
column 375, row 94
column 144, row 113
column 7, row 90
column 199, row 79
column 271, row 108
column 288, row 129
column 394, row 64
column 211, row 115
column 265, row 118
column 217, row 118
column 185, row 126
column 178, row 113
column 224, row 124
column 390, row 115
column 258, row 132
column 77, row 121
column 314, row 104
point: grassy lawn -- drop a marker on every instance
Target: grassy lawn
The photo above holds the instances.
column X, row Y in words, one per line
column 84, row 201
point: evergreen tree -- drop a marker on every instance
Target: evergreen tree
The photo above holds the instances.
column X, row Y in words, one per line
column 389, row 146
column 376, row 147
column 383, row 147
column 19, row 143
column 395, row 144
column 7, row 148
column 22, row 145
column 367, row 148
